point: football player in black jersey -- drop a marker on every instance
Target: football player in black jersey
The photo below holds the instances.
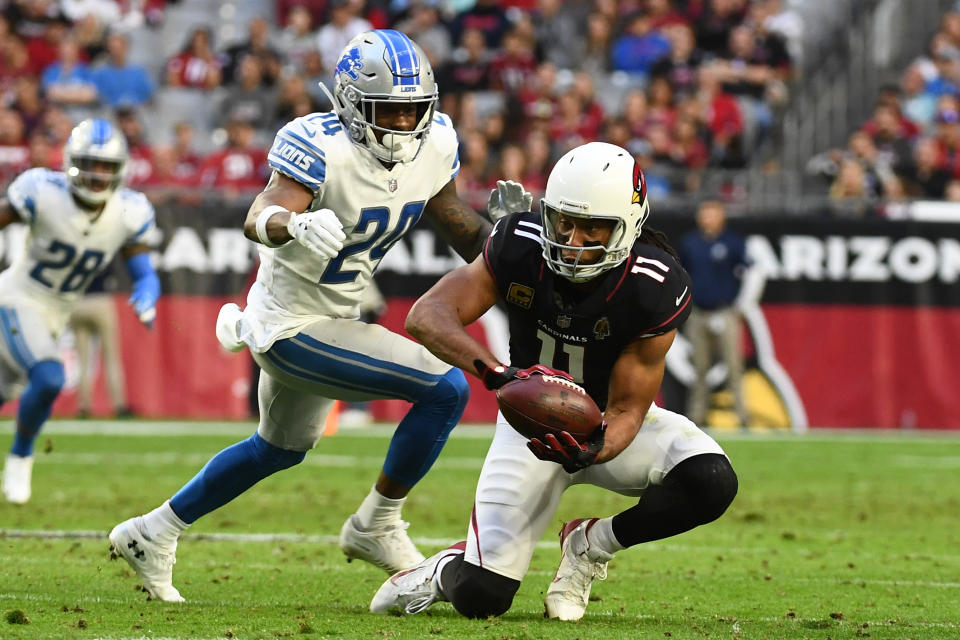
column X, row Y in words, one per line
column 596, row 296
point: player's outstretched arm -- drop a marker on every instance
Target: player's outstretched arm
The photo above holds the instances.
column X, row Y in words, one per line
column 459, row 225
column 146, row 284
column 634, row 382
column 438, row 319
column 273, row 219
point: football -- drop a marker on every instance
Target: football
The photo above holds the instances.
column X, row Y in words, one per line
column 540, row 404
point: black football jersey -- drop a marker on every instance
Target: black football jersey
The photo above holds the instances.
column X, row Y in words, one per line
column 555, row 323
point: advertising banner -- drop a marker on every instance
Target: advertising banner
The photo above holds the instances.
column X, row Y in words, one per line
column 857, row 323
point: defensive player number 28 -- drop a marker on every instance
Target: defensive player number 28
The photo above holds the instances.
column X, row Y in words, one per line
column 62, row 255
column 548, row 350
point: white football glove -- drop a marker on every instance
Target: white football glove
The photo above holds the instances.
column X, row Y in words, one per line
column 320, row 231
column 509, row 197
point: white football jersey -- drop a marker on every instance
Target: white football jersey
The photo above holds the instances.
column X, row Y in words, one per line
column 376, row 206
column 65, row 247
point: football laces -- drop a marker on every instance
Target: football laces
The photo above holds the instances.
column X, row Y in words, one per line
column 564, row 382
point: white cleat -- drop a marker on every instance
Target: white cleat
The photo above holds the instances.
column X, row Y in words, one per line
column 152, row 561
column 16, row 478
column 412, row 591
column 228, row 327
column 569, row 592
column 387, row 547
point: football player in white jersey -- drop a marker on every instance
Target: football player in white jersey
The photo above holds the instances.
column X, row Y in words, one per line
column 589, row 288
column 78, row 219
column 346, row 185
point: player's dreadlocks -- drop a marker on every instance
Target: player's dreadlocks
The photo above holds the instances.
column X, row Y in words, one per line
column 651, row 236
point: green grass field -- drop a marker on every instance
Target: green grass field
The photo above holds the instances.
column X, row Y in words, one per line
column 831, row 536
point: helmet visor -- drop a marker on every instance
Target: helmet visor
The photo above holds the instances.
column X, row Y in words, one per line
column 96, row 174
column 578, row 246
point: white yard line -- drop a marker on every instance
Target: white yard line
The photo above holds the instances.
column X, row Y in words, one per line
column 471, row 431
column 314, row 459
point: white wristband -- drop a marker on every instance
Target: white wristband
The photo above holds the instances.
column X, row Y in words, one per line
column 262, row 218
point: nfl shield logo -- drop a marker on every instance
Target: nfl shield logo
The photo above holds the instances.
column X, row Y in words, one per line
column 563, row 321
column 392, row 184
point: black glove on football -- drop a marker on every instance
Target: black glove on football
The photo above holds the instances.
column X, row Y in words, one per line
column 500, row 375
column 567, row 452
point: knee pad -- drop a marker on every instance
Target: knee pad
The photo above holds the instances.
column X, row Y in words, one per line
column 451, row 392
column 274, row 458
column 480, row 593
column 47, row 379
column 710, row 478
column 451, row 388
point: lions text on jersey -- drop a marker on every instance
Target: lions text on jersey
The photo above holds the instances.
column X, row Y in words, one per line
column 376, row 206
column 555, row 324
column 66, row 246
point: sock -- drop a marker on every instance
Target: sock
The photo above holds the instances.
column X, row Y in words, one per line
column 377, row 510
column 437, row 584
column 163, row 525
column 45, row 381
column 230, row 473
column 600, row 536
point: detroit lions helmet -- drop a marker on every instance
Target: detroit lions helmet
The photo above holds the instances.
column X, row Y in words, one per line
column 598, row 181
column 377, row 67
column 94, row 159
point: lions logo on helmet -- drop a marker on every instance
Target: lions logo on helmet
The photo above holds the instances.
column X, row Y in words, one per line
column 94, row 159
column 395, row 71
column 596, row 180
column 350, row 63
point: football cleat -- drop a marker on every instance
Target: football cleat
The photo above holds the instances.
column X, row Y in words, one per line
column 580, row 563
column 228, row 327
column 16, row 478
column 152, row 560
column 412, row 591
column 387, row 547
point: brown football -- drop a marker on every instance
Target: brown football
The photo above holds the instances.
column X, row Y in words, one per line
column 539, row 405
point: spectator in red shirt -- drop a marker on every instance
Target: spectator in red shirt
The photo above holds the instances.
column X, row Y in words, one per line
column 515, row 66
column 569, row 128
column 140, row 166
column 661, row 108
column 539, row 162
column 43, row 49
column 239, row 168
column 690, row 151
column 635, row 113
column 593, row 114
column 721, row 114
column 475, row 168
column 28, row 101
column 13, row 145
column 197, row 66
column 42, row 153
column 537, row 100
column 14, row 62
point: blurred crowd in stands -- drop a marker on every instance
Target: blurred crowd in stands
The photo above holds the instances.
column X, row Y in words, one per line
column 683, row 84
column 910, row 147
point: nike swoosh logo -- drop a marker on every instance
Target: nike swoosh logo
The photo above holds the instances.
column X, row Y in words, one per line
column 310, row 132
column 680, row 297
